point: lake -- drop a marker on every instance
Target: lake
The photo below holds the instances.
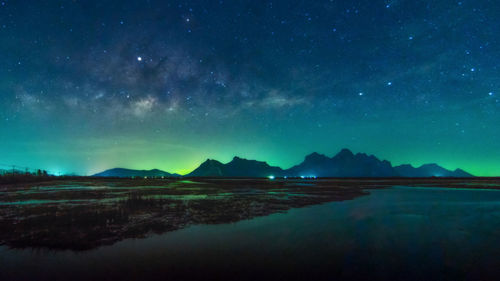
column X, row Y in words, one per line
column 398, row 233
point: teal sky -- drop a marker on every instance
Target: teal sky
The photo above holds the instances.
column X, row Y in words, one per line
column 87, row 86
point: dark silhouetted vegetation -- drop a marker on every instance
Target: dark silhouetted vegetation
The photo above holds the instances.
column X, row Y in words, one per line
column 20, row 177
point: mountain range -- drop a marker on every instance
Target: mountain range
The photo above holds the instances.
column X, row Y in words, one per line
column 128, row 173
column 343, row 164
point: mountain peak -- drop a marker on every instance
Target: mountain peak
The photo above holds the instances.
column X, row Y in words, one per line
column 238, row 167
column 345, row 153
column 430, row 165
column 315, row 157
column 211, row 162
column 405, row 166
column 461, row 173
column 208, row 168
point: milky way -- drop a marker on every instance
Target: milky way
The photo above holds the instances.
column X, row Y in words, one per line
column 89, row 85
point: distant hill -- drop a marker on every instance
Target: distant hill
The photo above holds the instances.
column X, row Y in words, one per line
column 429, row 170
column 238, row 167
column 343, row 164
column 128, row 173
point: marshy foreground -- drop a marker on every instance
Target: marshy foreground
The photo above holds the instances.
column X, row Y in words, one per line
column 81, row 215
column 390, row 228
column 84, row 214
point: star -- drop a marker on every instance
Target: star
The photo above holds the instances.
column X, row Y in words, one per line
column 286, row 59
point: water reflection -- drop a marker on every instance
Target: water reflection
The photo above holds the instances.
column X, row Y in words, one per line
column 82, row 216
column 396, row 233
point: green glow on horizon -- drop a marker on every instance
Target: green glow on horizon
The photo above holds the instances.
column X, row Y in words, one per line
column 95, row 155
column 177, row 151
column 75, row 99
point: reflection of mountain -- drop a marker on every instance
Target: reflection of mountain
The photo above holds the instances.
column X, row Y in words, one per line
column 344, row 164
column 127, row 173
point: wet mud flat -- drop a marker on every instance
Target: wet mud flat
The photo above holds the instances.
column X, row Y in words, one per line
column 83, row 214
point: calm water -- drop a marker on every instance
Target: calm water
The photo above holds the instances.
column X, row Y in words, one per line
column 393, row 234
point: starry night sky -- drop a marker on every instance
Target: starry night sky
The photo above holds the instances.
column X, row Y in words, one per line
column 90, row 85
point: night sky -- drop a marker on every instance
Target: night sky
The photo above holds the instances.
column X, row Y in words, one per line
column 90, row 85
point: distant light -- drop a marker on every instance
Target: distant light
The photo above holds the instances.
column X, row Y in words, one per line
column 410, row 38
column 389, row 83
column 360, row 93
column 145, row 177
column 139, row 58
column 284, row 177
column 271, row 177
column 187, row 19
column 472, row 69
column 302, row 177
column 490, row 93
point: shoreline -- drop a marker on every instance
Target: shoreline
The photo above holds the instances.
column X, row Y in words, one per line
column 83, row 214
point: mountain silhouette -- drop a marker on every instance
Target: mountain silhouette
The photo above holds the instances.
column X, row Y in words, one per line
column 209, row 168
column 128, row 173
column 343, row 164
column 238, row 167
column 429, row 170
